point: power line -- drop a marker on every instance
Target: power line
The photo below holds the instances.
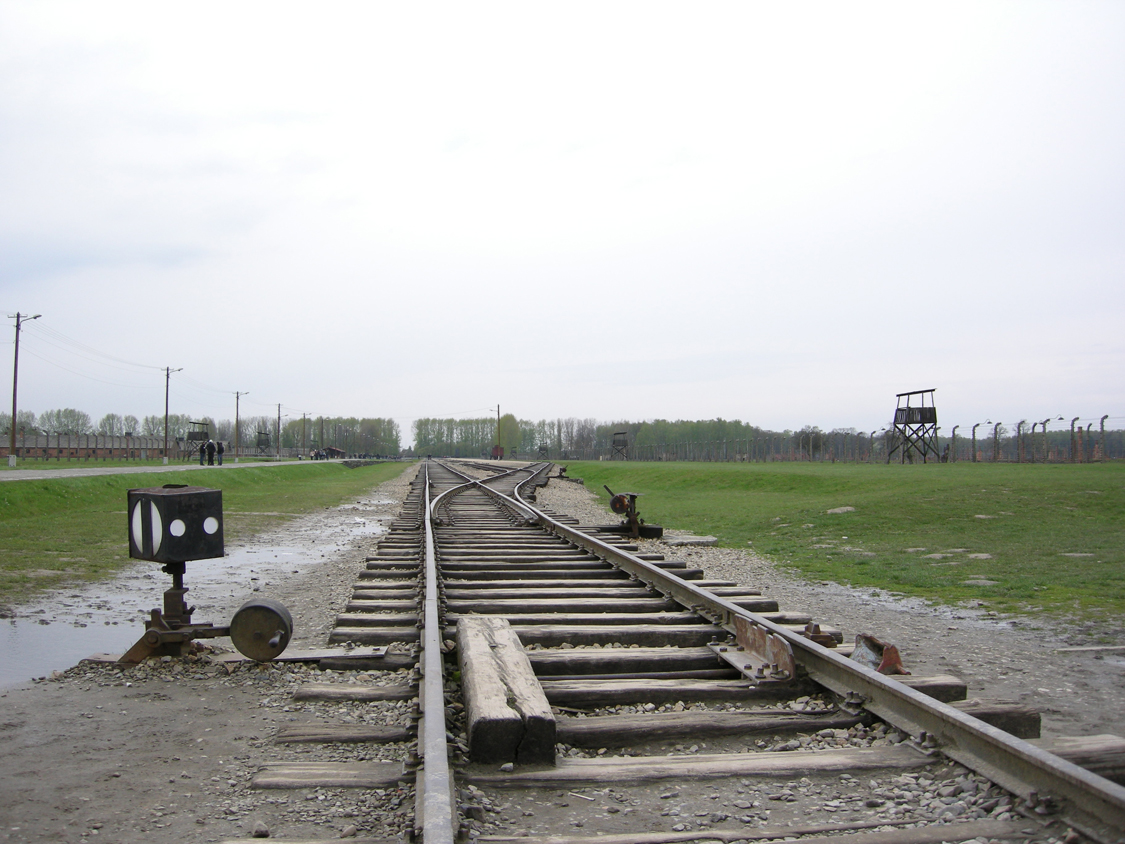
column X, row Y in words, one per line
column 45, row 331
column 47, row 360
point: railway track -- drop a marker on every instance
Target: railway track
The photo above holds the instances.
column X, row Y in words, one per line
column 572, row 689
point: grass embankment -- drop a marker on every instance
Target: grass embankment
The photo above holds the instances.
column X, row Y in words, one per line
column 1035, row 538
column 71, row 529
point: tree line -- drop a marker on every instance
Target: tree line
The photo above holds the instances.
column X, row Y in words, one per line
column 350, row 434
column 571, row 435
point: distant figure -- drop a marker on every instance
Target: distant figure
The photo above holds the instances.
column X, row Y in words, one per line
column 202, row 451
column 210, row 452
column 219, row 449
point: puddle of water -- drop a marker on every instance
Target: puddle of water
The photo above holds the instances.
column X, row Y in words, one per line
column 57, row 632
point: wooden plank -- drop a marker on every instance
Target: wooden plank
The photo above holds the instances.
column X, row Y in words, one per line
column 405, row 606
column 644, row 635
column 312, row 655
column 577, row 596
column 508, row 717
column 943, row 687
column 375, row 635
column 1011, row 717
column 353, row 691
column 329, row 775
column 295, row 655
column 390, row 662
column 585, row 575
column 571, row 773
column 584, row 693
column 618, row 730
column 1103, row 754
column 354, row 616
column 936, row 834
column 622, row 660
column 539, row 582
column 543, row 619
column 345, row 734
column 500, row 606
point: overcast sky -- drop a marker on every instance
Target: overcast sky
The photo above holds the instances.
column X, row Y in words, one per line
column 781, row 213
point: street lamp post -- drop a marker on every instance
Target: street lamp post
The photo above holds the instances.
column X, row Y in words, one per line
column 20, row 319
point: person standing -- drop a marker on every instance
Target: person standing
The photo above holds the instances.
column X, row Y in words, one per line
column 202, row 451
column 210, row 452
column 219, row 451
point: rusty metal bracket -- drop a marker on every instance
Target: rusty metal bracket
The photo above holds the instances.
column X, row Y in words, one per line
column 812, row 631
column 877, row 655
column 161, row 639
column 762, row 656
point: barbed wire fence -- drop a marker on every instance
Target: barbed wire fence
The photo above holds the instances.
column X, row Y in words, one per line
column 1076, row 440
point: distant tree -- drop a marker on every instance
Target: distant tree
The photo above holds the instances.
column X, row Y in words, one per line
column 509, row 433
column 224, row 430
column 153, row 426
column 65, row 421
column 810, row 440
column 112, row 425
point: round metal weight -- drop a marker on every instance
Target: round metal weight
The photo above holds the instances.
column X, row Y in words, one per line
column 619, row 504
column 261, row 629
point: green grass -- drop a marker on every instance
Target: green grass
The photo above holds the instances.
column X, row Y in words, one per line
column 58, row 531
column 1035, row 515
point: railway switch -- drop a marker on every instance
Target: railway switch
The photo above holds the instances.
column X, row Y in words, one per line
column 173, row 525
column 625, row 504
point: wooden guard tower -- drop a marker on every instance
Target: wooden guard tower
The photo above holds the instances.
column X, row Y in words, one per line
column 620, row 445
column 915, row 427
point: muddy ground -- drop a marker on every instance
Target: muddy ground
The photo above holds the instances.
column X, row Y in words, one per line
column 166, row 752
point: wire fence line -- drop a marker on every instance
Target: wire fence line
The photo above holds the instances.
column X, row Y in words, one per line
column 87, row 447
column 1028, row 443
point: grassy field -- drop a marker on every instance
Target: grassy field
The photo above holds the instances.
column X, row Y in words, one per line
column 71, row 529
column 1028, row 538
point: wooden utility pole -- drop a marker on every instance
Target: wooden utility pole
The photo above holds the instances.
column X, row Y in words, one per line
column 237, row 434
column 15, row 377
column 167, row 378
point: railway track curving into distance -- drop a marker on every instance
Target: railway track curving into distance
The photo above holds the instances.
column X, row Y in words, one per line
column 572, row 689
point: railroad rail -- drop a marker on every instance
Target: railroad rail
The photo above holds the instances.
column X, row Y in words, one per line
column 570, row 644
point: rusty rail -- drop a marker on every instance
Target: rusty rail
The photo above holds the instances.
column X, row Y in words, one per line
column 434, row 781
